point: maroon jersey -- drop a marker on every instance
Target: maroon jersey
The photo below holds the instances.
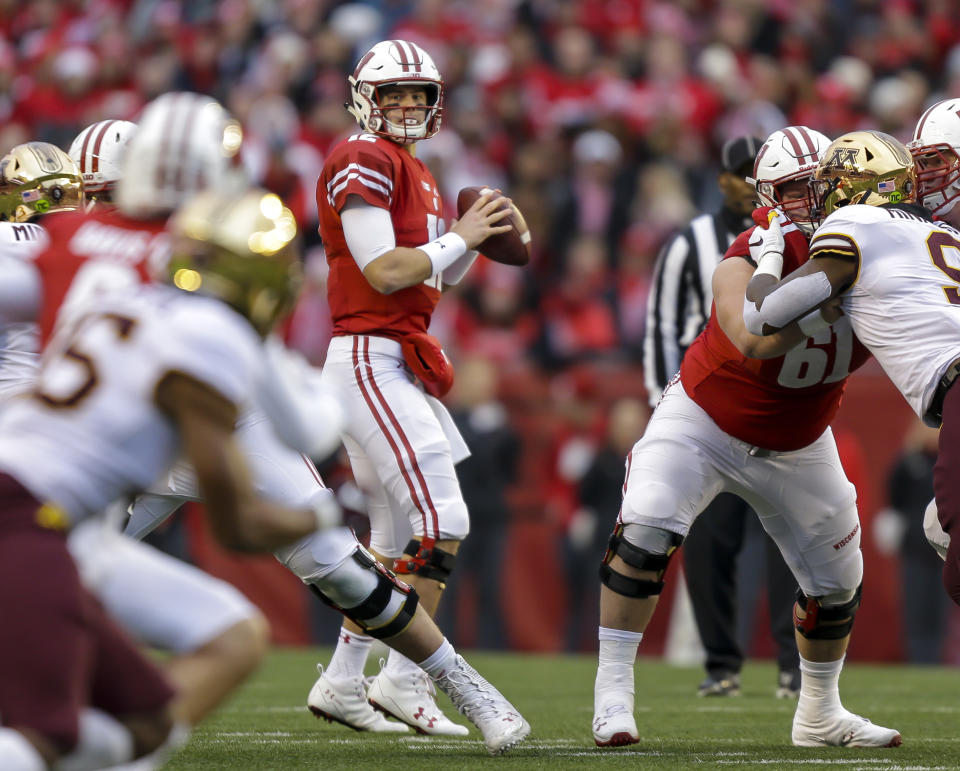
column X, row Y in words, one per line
column 778, row 404
column 383, row 174
column 90, row 253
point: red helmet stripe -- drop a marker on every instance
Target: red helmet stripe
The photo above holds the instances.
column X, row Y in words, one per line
column 95, row 152
column 923, row 119
column 756, row 163
column 362, row 63
column 811, row 146
column 409, row 59
column 795, row 144
column 83, row 150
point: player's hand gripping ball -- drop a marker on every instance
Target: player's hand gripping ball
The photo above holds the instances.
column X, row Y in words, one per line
column 511, row 247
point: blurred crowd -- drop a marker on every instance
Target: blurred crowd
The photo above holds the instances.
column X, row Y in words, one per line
column 602, row 119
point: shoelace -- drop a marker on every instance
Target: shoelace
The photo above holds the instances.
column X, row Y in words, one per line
column 483, row 704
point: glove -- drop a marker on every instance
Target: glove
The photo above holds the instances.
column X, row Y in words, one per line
column 938, row 539
column 766, row 241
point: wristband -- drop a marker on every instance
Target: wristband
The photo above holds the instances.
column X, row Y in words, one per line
column 443, row 252
column 813, row 322
column 771, row 264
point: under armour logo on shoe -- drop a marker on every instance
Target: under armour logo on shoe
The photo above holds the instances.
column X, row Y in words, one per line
column 508, row 719
column 846, row 738
column 346, row 639
column 421, row 714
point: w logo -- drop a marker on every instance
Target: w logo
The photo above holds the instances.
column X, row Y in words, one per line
column 843, row 156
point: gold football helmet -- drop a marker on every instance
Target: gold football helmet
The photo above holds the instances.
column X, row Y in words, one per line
column 37, row 178
column 239, row 248
column 867, row 167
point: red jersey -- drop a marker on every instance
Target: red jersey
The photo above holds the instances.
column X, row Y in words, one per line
column 383, row 174
column 779, row 404
column 90, row 253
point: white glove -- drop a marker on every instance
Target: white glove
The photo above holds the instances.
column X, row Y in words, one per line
column 939, row 540
column 767, row 245
column 888, row 528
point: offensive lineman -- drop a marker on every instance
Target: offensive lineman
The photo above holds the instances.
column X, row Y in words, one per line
column 896, row 275
column 381, row 222
column 760, row 430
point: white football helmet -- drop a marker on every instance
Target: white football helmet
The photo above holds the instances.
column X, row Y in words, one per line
column 395, row 62
column 184, row 143
column 936, row 151
column 789, row 155
column 98, row 151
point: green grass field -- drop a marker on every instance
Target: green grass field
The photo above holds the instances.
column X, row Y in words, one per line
column 267, row 726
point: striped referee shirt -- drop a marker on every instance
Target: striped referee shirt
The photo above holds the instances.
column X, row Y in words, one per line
column 681, row 294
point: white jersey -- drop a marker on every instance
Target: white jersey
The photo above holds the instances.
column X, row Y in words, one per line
column 905, row 303
column 91, row 432
column 19, row 340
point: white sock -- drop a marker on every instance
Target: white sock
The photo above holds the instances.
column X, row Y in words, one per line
column 618, row 653
column 819, row 687
column 399, row 665
column 104, row 741
column 350, row 656
column 17, row 754
column 442, row 660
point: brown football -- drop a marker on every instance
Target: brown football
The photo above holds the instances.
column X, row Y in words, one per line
column 511, row 247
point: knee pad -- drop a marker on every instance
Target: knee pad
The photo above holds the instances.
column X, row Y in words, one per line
column 368, row 594
column 426, row 560
column 829, row 617
column 649, row 548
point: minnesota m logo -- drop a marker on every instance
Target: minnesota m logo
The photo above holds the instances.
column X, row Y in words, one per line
column 843, row 156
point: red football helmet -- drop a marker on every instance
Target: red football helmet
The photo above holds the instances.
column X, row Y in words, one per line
column 396, row 62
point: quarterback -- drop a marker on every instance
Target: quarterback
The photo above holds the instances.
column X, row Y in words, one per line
column 758, row 429
column 381, row 222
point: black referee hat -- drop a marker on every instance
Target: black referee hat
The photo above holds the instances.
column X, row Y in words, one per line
column 738, row 154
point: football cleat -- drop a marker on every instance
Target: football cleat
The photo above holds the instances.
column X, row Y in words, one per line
column 726, row 684
column 498, row 720
column 788, row 684
column 410, row 699
column 843, row 729
column 345, row 702
column 614, row 726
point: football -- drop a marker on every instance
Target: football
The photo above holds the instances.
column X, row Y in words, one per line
column 511, row 247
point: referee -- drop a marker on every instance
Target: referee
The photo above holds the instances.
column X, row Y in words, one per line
column 677, row 311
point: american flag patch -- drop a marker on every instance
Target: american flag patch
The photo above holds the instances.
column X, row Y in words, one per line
column 886, row 186
column 29, row 196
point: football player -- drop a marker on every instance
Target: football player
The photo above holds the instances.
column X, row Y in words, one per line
column 111, row 249
column 121, row 392
column 894, row 271
column 36, row 178
column 761, row 431
column 381, row 221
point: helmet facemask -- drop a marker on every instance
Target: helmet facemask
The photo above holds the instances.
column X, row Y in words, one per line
column 938, row 176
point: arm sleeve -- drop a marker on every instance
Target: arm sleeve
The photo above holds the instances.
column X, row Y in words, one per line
column 368, row 231
column 666, row 311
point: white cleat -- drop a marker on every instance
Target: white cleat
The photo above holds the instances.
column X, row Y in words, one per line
column 614, row 726
column 410, row 699
column 345, row 702
column 498, row 720
column 843, row 730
